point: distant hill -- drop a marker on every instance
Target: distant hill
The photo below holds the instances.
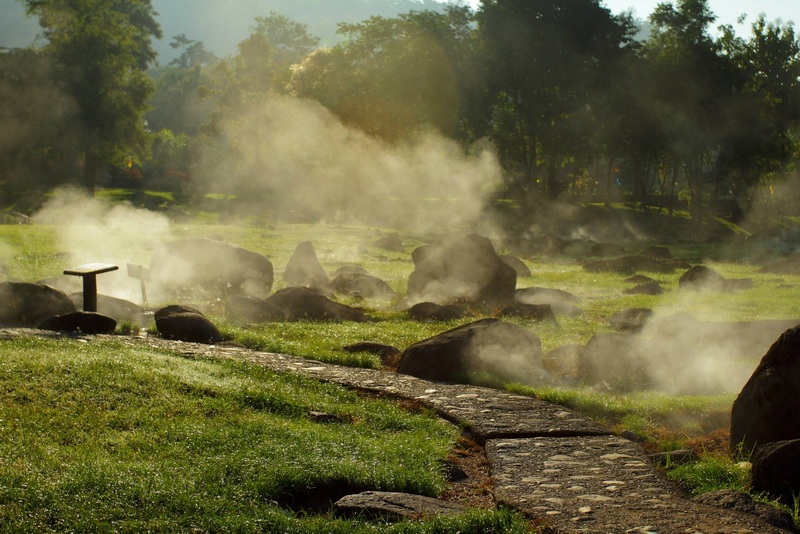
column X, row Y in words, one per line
column 222, row 24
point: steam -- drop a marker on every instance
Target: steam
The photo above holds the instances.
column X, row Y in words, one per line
column 93, row 231
column 316, row 168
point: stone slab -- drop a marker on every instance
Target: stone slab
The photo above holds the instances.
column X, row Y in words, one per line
column 601, row 484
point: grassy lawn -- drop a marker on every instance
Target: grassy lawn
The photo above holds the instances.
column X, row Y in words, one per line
column 32, row 253
column 99, row 437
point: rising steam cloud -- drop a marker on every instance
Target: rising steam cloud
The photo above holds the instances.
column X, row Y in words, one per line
column 309, row 163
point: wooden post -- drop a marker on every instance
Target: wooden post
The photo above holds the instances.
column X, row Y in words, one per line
column 89, row 274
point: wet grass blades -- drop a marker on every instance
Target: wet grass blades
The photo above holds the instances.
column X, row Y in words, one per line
column 101, row 437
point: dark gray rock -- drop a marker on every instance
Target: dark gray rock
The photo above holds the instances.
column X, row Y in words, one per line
column 119, row 309
column 209, row 265
column 551, row 245
column 430, row 311
column 648, row 288
column 244, row 309
column 536, row 312
column 776, row 469
column 301, row 303
column 172, row 309
column 191, row 327
column 561, row 302
column 465, row 269
column 80, row 322
column 389, row 355
column 768, row 406
column 788, row 265
column 304, row 270
column 701, row 278
column 390, row 242
column 486, row 346
column 742, row 502
column 613, row 359
column 639, row 279
column 517, row 264
column 356, row 284
column 630, row 319
column 385, row 504
column 25, row 304
column 606, row 250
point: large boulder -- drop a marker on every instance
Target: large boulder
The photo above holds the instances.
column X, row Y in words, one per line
column 304, row 270
column 190, row 326
column 701, row 278
column 486, row 346
column 465, row 269
column 768, row 407
column 517, row 264
column 119, row 309
column 209, row 265
column 244, row 309
column 25, row 304
column 614, row 360
column 80, row 322
column 302, row 303
column 776, row 469
column 394, row 505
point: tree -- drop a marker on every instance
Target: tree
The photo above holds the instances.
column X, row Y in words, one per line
column 393, row 76
column 101, row 50
column 547, row 58
column 695, row 92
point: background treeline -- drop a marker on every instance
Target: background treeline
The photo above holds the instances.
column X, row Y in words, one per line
column 573, row 104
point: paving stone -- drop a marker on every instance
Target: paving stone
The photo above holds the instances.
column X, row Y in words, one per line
column 600, row 484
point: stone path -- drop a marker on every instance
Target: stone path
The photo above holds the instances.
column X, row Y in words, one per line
column 548, row 462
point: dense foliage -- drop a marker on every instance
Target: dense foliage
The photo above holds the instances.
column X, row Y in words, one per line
column 572, row 103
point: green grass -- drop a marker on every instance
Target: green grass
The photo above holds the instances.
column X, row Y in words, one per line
column 103, row 437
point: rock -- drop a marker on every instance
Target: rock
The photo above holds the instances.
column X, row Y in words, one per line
column 521, row 246
column 384, row 504
column 362, row 284
column 246, row 309
column 119, row 309
column 187, row 326
column 630, row 319
column 214, row 266
column 25, row 304
column 701, row 278
column 463, row 269
column 606, row 250
column 536, row 312
column 788, row 265
column 564, row 361
column 430, row 311
column 389, row 355
column 551, row 245
column 348, row 270
column 658, row 252
column 648, row 288
column 80, row 322
column 517, row 264
column 776, row 469
column 612, row 359
column 304, row 270
column 630, row 265
column 172, row 309
column 301, row 303
column 488, row 345
column 768, row 406
column 742, row 502
column 561, row 302
column 390, row 242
